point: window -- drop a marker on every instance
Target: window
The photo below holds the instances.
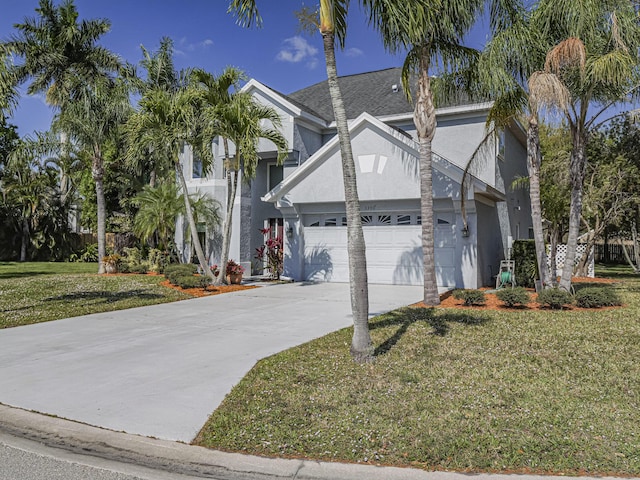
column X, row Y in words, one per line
column 501, row 144
column 330, row 222
column 366, row 219
column 404, row 220
column 275, row 174
column 196, row 166
column 384, row 219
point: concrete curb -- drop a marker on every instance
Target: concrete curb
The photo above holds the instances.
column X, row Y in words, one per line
column 180, row 458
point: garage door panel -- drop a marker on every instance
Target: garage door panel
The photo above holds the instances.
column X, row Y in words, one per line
column 394, row 254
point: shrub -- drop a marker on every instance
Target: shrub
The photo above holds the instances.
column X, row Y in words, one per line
column 470, row 297
column 513, row 296
column 191, row 281
column 175, row 271
column 158, row 260
column 524, row 254
column 140, row 268
column 596, row 297
column 555, row 298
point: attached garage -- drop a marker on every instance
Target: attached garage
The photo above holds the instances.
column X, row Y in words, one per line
column 311, row 200
column 394, row 250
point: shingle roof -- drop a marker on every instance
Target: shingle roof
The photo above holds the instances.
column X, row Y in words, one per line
column 370, row 92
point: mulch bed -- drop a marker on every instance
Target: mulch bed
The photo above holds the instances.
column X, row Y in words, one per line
column 492, row 302
column 209, row 290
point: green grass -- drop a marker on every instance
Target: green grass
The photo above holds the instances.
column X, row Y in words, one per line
column 39, row 292
column 510, row 391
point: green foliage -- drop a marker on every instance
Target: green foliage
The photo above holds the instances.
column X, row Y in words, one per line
column 555, row 298
column 513, row 296
column 524, row 254
column 470, row 297
column 88, row 254
column 175, row 271
column 596, row 297
column 158, row 260
column 190, row 281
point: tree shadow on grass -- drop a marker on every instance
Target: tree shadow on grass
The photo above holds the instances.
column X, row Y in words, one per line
column 405, row 317
column 7, row 275
column 105, row 296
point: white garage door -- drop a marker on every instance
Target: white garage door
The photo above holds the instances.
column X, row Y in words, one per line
column 394, row 251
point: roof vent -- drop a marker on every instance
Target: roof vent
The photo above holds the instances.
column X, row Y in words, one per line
column 394, row 88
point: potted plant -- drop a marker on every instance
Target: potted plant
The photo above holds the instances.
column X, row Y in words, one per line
column 234, row 272
column 111, row 262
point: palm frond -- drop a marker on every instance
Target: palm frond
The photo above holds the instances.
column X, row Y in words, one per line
column 570, row 53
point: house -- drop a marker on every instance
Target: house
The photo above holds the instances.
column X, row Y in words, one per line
column 303, row 199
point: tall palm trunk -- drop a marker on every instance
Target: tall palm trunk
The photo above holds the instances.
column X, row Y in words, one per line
column 232, row 188
column 97, row 172
column 578, row 167
column 361, row 346
column 195, row 240
column 424, row 117
column 533, row 165
column 24, row 239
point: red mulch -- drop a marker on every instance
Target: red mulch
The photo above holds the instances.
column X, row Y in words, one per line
column 209, row 290
column 492, row 303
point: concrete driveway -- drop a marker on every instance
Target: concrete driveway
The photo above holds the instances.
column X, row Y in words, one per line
column 161, row 370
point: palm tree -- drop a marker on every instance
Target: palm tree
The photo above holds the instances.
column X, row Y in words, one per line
column 332, row 25
column 160, row 73
column 598, row 61
column 165, row 123
column 27, row 185
column 240, row 121
column 61, row 58
column 92, row 121
column 160, row 207
column 511, row 70
column 433, row 34
column 59, row 53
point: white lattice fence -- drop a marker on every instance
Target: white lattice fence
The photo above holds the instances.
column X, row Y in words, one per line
column 562, row 253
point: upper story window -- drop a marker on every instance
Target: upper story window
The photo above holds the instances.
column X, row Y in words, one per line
column 196, row 167
column 501, row 144
column 275, row 174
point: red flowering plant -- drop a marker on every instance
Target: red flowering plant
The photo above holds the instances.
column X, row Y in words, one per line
column 234, row 268
column 215, row 270
column 271, row 254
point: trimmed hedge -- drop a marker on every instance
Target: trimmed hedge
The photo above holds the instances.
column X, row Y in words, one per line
column 175, row 271
column 555, row 298
column 513, row 296
column 470, row 297
column 596, row 297
column 191, row 281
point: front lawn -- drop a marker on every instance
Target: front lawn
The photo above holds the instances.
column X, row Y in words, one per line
column 506, row 391
column 36, row 292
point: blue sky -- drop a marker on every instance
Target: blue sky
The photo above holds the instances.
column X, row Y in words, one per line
column 206, row 36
